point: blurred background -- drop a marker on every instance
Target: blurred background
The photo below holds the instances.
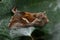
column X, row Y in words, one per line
column 52, row 7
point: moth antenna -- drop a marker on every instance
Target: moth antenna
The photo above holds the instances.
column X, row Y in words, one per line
column 14, row 10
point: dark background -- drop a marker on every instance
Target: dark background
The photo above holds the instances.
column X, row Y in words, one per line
column 52, row 8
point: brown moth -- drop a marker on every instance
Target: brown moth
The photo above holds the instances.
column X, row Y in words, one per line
column 22, row 23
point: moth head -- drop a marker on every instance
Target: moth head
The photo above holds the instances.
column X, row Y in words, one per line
column 42, row 16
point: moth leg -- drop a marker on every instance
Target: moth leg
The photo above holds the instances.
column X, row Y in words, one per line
column 26, row 20
column 36, row 20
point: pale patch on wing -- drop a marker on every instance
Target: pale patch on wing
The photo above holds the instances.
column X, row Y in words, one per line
column 21, row 31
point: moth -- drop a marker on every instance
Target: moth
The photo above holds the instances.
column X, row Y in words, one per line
column 22, row 23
